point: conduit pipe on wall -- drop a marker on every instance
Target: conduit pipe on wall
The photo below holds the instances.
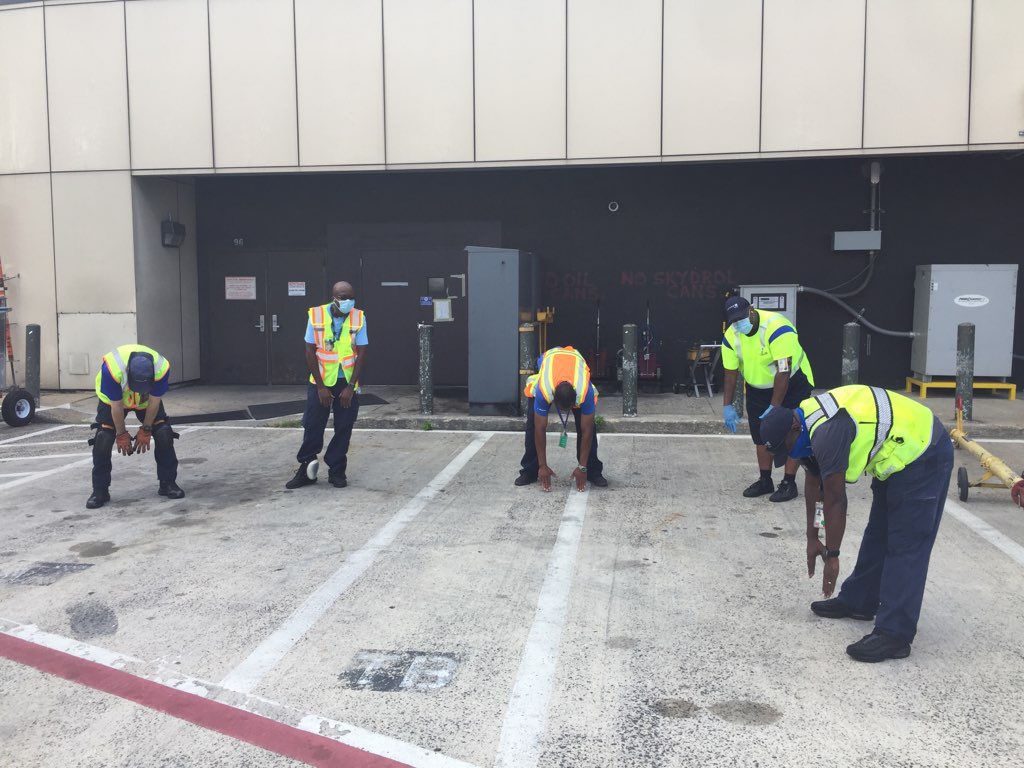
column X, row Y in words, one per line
column 858, row 316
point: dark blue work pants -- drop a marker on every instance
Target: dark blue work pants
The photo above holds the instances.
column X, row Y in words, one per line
column 892, row 564
column 314, row 422
column 163, row 446
column 530, row 463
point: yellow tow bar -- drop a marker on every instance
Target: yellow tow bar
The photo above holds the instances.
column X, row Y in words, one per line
column 993, row 466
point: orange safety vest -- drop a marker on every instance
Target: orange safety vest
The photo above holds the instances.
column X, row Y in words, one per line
column 333, row 353
column 557, row 365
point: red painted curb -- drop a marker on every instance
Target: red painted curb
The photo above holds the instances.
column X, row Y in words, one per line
column 261, row 731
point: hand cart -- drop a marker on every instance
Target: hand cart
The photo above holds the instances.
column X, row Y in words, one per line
column 18, row 407
column 992, row 465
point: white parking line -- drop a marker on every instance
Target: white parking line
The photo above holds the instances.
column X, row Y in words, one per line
column 527, row 714
column 40, row 475
column 44, row 456
column 15, row 474
column 45, row 442
column 998, row 540
column 36, row 433
column 344, row 733
column 247, row 675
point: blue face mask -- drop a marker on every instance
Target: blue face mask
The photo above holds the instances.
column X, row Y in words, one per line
column 345, row 305
column 743, row 326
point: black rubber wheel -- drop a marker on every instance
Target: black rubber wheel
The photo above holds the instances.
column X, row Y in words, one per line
column 961, row 482
column 18, row 407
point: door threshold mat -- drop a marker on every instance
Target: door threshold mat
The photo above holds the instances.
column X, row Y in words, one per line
column 204, row 417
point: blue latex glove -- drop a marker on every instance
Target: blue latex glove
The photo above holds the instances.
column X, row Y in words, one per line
column 732, row 419
column 767, row 410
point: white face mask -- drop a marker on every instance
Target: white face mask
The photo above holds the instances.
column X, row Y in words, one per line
column 345, row 305
column 743, row 326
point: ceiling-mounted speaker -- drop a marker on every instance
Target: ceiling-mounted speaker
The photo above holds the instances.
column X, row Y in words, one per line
column 172, row 234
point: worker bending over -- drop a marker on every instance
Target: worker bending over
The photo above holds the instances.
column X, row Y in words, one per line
column 562, row 380
column 132, row 378
column 838, row 436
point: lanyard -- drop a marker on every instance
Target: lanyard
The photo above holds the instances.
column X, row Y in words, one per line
column 562, row 441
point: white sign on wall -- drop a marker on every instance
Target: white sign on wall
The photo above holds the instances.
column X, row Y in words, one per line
column 296, row 288
column 240, row 288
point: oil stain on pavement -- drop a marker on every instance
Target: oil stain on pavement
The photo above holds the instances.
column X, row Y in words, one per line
column 94, row 548
column 745, row 712
column 91, row 618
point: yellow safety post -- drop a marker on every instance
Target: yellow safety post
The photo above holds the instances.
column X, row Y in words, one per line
column 993, row 466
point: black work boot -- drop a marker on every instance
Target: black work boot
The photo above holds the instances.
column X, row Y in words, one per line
column 171, row 490
column 100, row 496
column 598, row 481
column 759, row 488
column 835, row 608
column 525, row 479
column 337, row 479
column 302, row 476
column 878, row 646
column 785, row 492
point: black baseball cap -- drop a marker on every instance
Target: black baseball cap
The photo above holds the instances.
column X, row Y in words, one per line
column 140, row 373
column 736, row 308
column 774, row 429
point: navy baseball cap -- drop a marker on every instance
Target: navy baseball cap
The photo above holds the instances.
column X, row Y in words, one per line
column 775, row 427
column 736, row 308
column 140, row 373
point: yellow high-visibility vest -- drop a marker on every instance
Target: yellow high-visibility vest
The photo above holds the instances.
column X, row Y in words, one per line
column 753, row 355
column 331, row 353
column 560, row 364
column 892, row 430
column 117, row 363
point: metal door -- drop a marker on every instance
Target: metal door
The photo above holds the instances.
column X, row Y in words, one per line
column 239, row 326
column 392, row 286
column 296, row 281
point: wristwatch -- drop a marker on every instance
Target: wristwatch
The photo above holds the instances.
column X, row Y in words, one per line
column 146, row 428
column 581, row 468
column 830, row 553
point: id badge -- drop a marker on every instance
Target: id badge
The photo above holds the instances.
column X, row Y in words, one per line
column 563, row 440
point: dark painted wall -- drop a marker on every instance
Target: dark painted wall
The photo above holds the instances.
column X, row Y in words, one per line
column 681, row 235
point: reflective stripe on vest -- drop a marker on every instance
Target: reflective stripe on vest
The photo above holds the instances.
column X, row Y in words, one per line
column 900, row 429
column 330, row 352
column 116, row 362
column 557, row 365
column 765, row 378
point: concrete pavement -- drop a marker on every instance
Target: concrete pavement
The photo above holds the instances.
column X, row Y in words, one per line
column 434, row 613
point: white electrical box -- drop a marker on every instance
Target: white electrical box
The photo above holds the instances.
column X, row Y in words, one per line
column 946, row 295
column 774, row 298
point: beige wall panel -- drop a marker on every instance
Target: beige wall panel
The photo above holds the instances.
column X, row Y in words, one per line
column 813, row 74
column 997, row 90
column 614, row 70
column 341, row 81
column 93, row 244
column 917, row 73
column 157, row 269
column 428, row 70
column 26, row 244
column 712, row 100
column 169, row 84
column 24, row 143
column 253, row 65
column 85, row 339
column 520, row 79
column 85, row 57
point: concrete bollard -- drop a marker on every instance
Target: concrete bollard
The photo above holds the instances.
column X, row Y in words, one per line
column 965, row 368
column 739, row 398
column 32, row 347
column 527, row 360
column 629, row 369
column 851, row 354
column 426, row 370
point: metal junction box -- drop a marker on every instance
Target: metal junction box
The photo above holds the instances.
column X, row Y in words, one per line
column 946, row 295
column 774, row 298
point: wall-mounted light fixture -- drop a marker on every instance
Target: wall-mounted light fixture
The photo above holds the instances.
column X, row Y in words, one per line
column 172, row 234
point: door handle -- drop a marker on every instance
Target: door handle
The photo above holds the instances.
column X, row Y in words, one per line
column 261, row 324
column 273, row 323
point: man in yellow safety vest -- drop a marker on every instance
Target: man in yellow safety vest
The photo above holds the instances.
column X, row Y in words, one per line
column 132, row 378
column 562, row 380
column 336, row 343
column 839, row 436
column 765, row 348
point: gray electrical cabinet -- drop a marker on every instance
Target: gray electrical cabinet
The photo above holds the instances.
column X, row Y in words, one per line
column 946, row 295
column 502, row 294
